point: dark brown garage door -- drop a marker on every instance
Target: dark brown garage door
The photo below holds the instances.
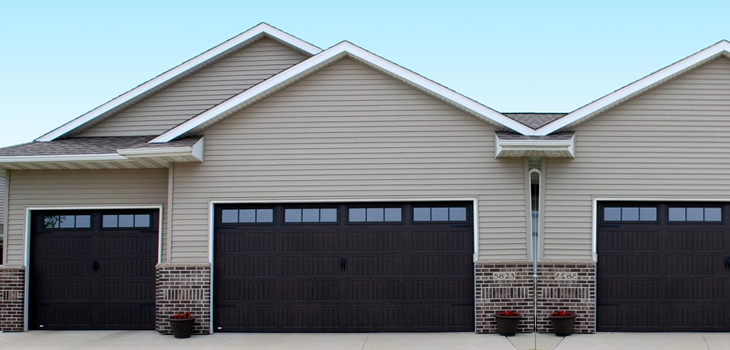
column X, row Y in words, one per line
column 344, row 268
column 93, row 270
column 663, row 267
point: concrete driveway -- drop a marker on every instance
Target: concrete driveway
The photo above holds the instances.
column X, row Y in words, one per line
column 150, row 340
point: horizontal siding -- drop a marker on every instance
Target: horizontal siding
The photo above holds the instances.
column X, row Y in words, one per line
column 348, row 132
column 37, row 188
column 2, row 198
column 671, row 142
column 200, row 91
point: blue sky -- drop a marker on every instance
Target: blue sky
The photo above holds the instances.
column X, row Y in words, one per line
column 59, row 59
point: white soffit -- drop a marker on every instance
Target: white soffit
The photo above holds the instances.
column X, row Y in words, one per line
column 629, row 91
column 534, row 147
column 203, row 59
column 324, row 59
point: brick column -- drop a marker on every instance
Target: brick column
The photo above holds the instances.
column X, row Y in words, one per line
column 180, row 288
column 561, row 285
column 12, row 298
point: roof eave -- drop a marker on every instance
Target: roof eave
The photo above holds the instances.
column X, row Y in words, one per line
column 158, row 157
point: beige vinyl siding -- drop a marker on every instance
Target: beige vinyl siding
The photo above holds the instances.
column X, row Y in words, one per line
column 200, row 91
column 2, row 198
column 77, row 188
column 349, row 132
column 672, row 142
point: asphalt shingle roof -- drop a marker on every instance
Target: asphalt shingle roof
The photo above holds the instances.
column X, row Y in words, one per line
column 90, row 145
column 534, row 120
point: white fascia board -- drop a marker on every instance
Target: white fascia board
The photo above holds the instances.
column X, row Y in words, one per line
column 635, row 88
column 195, row 151
column 108, row 157
column 197, row 61
column 320, row 61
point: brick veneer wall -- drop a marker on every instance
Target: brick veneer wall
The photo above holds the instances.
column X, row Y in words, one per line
column 560, row 286
column 180, row 288
column 12, row 298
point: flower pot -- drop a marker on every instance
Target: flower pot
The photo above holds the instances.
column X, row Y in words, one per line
column 182, row 327
column 507, row 325
column 563, row 325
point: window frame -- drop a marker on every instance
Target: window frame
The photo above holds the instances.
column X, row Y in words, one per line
column 375, row 206
column 150, row 225
column 685, row 206
column 638, row 205
column 273, row 222
column 431, row 207
column 302, row 222
column 90, row 227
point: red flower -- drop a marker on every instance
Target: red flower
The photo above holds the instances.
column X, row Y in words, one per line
column 562, row 313
column 508, row 313
column 182, row 316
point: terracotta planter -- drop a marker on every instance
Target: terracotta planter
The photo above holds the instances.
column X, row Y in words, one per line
column 182, row 327
column 563, row 325
column 507, row 325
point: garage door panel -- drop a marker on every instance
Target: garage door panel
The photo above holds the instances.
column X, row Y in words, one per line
column 93, row 277
column 630, row 290
column 306, row 318
column 343, row 277
column 231, row 241
column 672, row 278
column 303, row 241
column 375, row 265
column 375, row 241
column 695, row 241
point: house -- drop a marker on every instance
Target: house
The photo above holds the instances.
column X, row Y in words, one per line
column 268, row 185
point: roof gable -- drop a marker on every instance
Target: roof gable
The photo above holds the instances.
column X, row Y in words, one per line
column 199, row 91
column 324, row 59
column 636, row 88
column 176, row 74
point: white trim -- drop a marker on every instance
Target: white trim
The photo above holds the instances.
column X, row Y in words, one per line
column 196, row 151
column 545, row 148
column 635, row 88
column 213, row 203
column 594, row 225
column 196, row 62
column 26, row 239
column 315, row 63
column 107, row 157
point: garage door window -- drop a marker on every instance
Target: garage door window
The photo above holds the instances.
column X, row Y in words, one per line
column 126, row 221
column 701, row 214
column 441, row 214
column 641, row 214
column 248, row 216
column 305, row 215
column 376, row 214
column 67, row 221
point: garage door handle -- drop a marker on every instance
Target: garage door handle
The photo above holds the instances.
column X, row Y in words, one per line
column 96, row 266
column 343, row 263
column 727, row 262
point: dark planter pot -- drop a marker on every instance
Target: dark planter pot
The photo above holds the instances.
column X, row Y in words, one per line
column 563, row 325
column 507, row 325
column 182, row 328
